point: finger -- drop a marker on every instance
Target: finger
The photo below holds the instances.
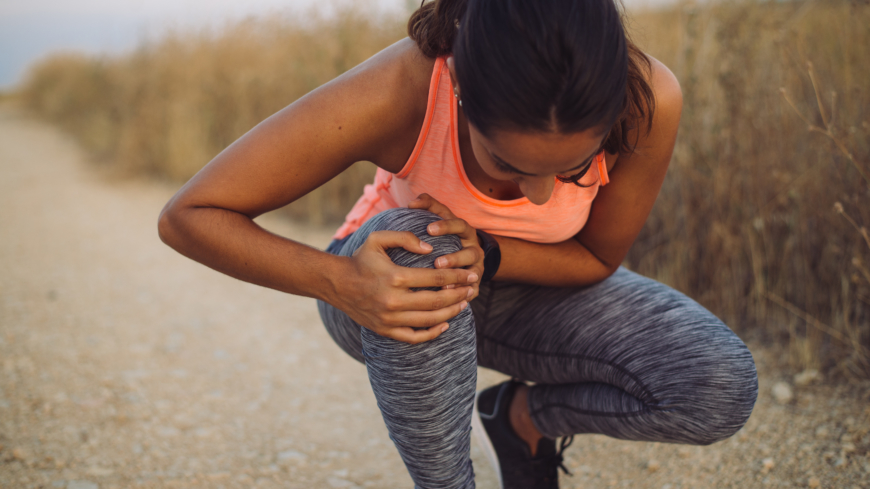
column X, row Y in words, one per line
column 426, row 201
column 428, row 277
column 460, row 259
column 432, row 300
column 415, row 336
column 451, row 226
column 426, row 319
column 398, row 239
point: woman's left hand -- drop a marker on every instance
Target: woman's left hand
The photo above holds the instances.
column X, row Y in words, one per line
column 470, row 256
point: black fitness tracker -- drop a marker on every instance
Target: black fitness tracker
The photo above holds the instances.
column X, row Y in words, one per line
column 491, row 255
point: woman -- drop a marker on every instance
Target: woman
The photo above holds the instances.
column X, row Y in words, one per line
column 494, row 127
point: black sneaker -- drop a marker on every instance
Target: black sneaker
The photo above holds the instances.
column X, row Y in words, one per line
column 506, row 451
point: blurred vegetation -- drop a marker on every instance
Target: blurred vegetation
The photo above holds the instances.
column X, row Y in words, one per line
column 764, row 212
column 170, row 106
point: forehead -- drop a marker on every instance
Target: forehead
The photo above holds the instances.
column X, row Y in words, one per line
column 537, row 152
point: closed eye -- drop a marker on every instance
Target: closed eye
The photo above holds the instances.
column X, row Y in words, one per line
column 575, row 178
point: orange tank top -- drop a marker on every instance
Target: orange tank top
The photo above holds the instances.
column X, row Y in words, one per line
column 435, row 167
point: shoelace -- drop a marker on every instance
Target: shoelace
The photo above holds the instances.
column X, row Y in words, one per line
column 557, row 460
column 563, row 444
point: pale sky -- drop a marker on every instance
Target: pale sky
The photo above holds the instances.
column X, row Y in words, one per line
column 30, row 29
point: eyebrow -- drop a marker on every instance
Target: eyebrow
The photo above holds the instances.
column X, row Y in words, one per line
column 512, row 168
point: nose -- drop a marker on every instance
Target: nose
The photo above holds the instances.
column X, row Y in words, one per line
column 537, row 190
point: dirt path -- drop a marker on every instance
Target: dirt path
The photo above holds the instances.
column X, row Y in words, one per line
column 123, row 364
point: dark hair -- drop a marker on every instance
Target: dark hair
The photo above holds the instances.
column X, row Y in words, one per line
column 542, row 65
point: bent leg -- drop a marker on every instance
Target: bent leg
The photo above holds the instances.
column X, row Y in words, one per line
column 629, row 357
column 426, row 391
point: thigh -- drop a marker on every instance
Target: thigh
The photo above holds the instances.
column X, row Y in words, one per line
column 628, row 331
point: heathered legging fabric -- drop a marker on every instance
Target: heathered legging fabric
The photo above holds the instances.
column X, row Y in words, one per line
column 629, row 358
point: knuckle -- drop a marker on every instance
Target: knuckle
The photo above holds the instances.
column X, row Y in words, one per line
column 440, row 279
column 478, row 253
column 391, row 304
column 397, row 280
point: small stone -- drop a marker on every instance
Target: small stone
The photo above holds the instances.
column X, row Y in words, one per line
column 291, row 455
column 806, row 377
column 782, row 393
column 814, row 482
column 653, row 466
column 338, row 483
column 840, row 463
column 19, row 453
column 767, row 464
column 822, row 432
column 99, row 471
column 848, row 448
column 81, row 485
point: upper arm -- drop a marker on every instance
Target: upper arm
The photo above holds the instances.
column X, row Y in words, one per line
column 369, row 113
column 621, row 208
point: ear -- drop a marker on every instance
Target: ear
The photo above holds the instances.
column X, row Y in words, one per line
column 451, row 67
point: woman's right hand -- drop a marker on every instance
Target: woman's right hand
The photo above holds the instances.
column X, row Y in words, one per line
column 376, row 293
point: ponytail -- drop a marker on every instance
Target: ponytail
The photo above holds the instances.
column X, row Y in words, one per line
column 433, row 26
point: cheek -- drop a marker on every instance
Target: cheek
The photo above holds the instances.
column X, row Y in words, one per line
column 486, row 163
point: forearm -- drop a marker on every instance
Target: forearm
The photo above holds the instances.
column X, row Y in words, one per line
column 233, row 244
column 565, row 264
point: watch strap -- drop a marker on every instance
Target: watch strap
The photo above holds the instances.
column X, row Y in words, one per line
column 491, row 255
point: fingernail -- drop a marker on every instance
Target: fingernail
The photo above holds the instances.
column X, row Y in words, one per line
column 432, row 228
column 472, row 278
column 426, row 246
column 444, row 328
column 441, row 262
column 463, row 306
column 450, row 286
column 470, row 292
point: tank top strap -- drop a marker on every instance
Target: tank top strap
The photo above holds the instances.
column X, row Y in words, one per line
column 436, row 90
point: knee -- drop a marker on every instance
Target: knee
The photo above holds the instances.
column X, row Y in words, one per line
column 415, row 221
column 729, row 392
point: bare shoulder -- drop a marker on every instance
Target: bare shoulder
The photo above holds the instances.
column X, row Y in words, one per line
column 395, row 85
column 667, row 92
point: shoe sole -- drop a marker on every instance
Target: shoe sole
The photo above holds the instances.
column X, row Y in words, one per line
column 484, row 442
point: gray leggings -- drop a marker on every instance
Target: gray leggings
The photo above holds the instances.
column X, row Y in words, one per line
column 628, row 357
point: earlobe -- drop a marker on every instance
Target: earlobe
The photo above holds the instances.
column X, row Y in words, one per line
column 451, row 67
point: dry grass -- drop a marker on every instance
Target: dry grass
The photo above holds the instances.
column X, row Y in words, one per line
column 746, row 222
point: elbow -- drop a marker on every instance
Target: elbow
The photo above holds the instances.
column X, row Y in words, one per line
column 606, row 270
column 166, row 227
